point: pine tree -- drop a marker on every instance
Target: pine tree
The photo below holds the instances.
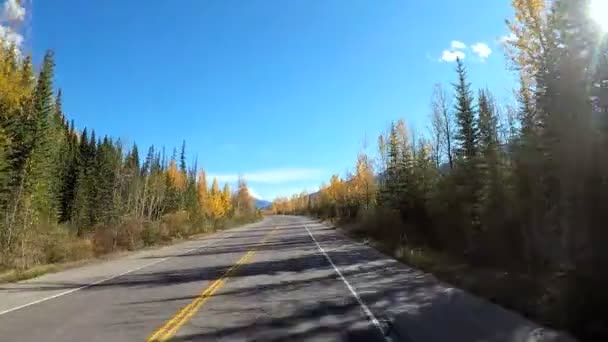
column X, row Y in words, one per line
column 82, row 216
column 488, row 136
column 42, row 168
column 492, row 179
column 107, row 165
column 191, row 204
column 66, row 162
column 467, row 153
column 405, row 169
column 182, row 158
column 389, row 192
column 467, row 135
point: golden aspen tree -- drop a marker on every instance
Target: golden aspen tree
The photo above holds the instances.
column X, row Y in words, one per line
column 363, row 182
column 203, row 194
column 216, row 202
column 243, row 202
column 227, row 199
column 177, row 178
column 527, row 44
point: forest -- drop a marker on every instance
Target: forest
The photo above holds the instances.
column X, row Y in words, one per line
column 67, row 194
column 508, row 200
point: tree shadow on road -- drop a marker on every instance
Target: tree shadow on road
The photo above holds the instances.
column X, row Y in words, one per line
column 291, row 292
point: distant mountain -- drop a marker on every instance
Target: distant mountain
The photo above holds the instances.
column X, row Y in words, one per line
column 261, row 204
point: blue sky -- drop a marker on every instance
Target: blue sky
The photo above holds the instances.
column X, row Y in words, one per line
column 283, row 92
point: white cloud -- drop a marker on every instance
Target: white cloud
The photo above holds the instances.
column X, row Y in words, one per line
column 450, row 56
column 482, row 50
column 273, row 176
column 12, row 11
column 8, row 36
column 506, row 39
column 458, row 45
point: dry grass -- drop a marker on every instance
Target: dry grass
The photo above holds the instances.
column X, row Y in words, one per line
column 59, row 250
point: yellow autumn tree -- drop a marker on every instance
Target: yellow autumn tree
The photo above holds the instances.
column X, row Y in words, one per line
column 243, row 202
column 527, row 44
column 216, row 202
column 227, row 199
column 281, row 205
column 177, row 177
column 337, row 192
column 362, row 183
column 203, row 194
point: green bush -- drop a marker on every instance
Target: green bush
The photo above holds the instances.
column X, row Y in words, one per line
column 59, row 244
column 382, row 224
column 151, row 234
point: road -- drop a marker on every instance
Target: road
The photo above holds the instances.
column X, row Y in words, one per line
column 282, row 279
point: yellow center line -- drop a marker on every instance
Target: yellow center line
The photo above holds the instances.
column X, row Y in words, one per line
column 170, row 328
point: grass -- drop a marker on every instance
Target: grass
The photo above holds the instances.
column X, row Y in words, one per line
column 10, row 276
column 14, row 275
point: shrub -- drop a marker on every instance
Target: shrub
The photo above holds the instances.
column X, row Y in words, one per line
column 104, row 240
column 381, row 223
column 59, row 244
column 129, row 231
column 177, row 224
column 151, row 233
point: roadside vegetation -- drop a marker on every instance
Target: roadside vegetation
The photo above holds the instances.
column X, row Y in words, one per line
column 67, row 194
column 509, row 201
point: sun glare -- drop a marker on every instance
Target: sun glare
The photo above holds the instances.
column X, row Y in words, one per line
column 598, row 10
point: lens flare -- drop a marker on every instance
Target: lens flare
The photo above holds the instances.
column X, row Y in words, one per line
column 598, row 11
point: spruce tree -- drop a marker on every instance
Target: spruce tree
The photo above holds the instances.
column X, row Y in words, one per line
column 467, row 173
column 42, row 166
column 106, row 167
column 182, row 158
column 467, row 134
column 389, row 192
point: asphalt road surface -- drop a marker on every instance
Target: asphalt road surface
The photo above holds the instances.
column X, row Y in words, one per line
column 282, row 279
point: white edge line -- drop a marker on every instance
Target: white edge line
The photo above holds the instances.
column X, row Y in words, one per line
column 103, row 280
column 366, row 310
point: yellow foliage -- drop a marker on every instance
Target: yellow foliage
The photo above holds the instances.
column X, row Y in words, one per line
column 528, row 45
column 217, row 208
column 226, row 199
column 243, row 202
column 336, row 189
column 362, row 185
column 203, row 193
column 177, row 177
column 13, row 90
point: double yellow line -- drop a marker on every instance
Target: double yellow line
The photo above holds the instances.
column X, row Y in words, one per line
column 169, row 329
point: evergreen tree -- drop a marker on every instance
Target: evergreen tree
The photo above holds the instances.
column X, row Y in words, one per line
column 42, row 168
column 106, row 172
column 467, row 175
column 191, row 203
column 467, row 134
column 389, row 192
column 182, row 158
